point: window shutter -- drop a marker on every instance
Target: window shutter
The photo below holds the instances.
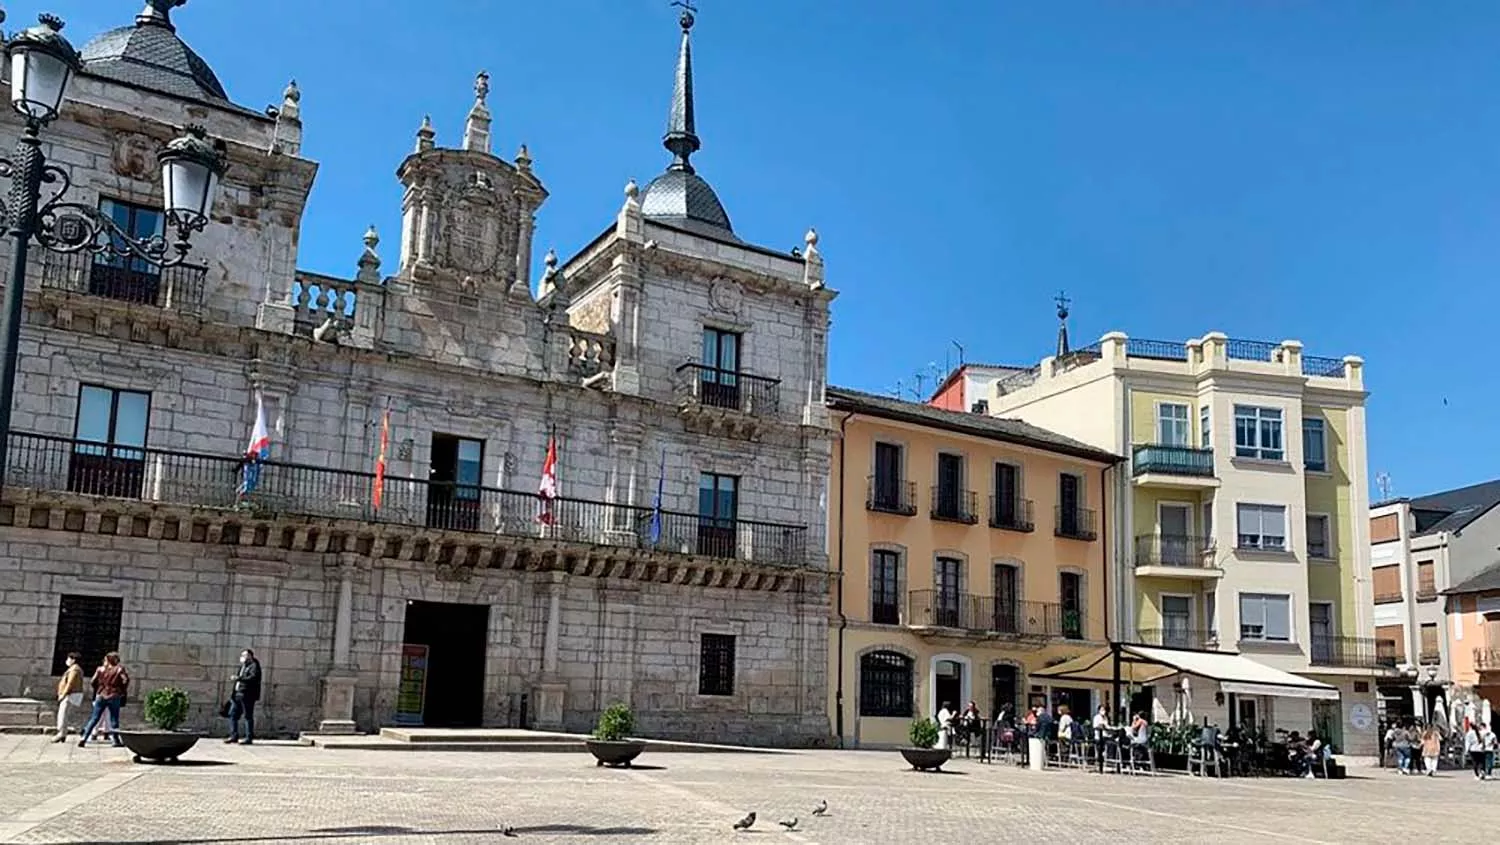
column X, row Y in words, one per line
column 1278, row 618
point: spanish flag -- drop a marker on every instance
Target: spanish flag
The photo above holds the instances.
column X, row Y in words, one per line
column 385, row 441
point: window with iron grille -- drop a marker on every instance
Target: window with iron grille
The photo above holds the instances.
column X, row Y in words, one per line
column 885, row 684
column 89, row 625
column 716, row 665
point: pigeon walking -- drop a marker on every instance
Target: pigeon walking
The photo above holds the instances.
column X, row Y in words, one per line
column 507, row 831
column 821, row 809
column 789, row 824
column 745, row 823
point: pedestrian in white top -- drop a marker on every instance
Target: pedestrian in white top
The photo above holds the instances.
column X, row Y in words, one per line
column 945, row 724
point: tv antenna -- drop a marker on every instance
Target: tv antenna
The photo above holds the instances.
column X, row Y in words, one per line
column 1383, row 484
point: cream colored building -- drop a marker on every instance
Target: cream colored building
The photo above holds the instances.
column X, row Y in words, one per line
column 1242, row 524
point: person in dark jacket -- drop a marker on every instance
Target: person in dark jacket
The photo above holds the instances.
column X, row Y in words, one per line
column 242, row 698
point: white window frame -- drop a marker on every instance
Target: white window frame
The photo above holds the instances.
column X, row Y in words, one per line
column 1161, row 611
column 1259, row 544
column 1261, row 598
column 1328, row 550
column 1322, row 443
column 1181, row 427
column 1205, row 427
column 1264, row 422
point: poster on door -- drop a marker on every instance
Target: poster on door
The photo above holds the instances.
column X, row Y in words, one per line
column 411, row 695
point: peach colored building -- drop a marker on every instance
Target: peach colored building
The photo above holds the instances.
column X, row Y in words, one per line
column 1474, row 635
column 971, row 551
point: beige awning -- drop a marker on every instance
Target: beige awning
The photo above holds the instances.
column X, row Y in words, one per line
column 1146, row 664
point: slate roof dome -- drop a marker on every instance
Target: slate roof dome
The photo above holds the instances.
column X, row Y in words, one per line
column 149, row 54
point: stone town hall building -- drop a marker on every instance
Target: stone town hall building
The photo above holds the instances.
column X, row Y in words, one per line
column 667, row 352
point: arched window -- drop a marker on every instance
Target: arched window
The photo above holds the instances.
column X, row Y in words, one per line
column 885, row 684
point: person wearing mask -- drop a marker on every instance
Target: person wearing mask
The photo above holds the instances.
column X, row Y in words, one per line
column 242, row 700
column 111, row 685
column 69, row 694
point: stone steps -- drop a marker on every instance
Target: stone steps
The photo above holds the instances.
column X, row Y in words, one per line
column 511, row 740
column 26, row 715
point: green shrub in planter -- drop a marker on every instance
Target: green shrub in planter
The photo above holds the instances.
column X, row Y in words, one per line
column 615, row 723
column 924, row 733
column 166, row 708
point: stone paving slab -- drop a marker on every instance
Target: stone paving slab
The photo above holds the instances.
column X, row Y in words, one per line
column 304, row 795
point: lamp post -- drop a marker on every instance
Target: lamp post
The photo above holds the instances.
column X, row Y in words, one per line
column 41, row 64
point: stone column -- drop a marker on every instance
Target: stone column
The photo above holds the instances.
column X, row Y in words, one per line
column 625, row 444
column 547, row 696
column 340, row 680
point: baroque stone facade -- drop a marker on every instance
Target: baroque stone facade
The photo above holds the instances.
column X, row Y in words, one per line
column 681, row 570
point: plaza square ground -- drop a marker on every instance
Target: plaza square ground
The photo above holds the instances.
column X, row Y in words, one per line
column 273, row 793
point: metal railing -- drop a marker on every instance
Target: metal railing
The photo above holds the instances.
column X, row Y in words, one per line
column 949, row 505
column 1352, row 652
column 45, row 462
column 1253, row 350
column 1171, row 460
column 1018, row 380
column 983, row 614
column 1160, row 350
column 1312, row 365
column 1076, row 523
column 124, row 280
column 1179, row 637
column 1183, row 550
column 1487, row 659
column 1011, row 513
column 712, row 387
column 887, row 495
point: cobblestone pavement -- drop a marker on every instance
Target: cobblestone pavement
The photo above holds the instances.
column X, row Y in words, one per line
column 268, row 794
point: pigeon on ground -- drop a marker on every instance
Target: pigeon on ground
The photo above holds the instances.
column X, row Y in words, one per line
column 744, row 824
column 507, row 831
column 789, row 824
column 821, row 809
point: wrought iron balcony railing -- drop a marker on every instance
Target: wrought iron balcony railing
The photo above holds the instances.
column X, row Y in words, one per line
column 887, row 495
column 1352, row 652
column 985, row 615
column 950, row 505
column 1178, row 637
column 44, row 462
column 1076, row 523
column 179, row 287
column 1172, row 460
column 1011, row 513
column 711, row 387
column 1184, row 550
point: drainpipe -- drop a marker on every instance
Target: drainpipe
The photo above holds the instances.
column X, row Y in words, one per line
column 1106, row 545
column 838, row 696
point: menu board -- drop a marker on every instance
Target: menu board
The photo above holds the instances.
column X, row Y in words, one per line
column 411, row 695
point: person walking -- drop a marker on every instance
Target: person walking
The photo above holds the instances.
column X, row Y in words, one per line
column 69, row 694
column 1399, row 739
column 243, row 697
column 1474, row 750
column 111, row 685
column 1432, row 749
column 1488, row 743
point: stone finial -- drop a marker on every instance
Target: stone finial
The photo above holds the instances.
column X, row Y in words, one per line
column 523, row 159
column 426, row 135
column 369, row 260
column 812, row 261
column 632, row 191
column 629, row 224
column 291, row 102
column 477, row 127
column 551, row 261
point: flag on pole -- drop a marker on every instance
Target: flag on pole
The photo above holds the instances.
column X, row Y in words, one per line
column 661, row 480
column 547, row 491
column 378, row 493
column 257, row 451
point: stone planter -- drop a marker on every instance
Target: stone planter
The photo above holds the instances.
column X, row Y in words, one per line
column 927, row 759
column 615, row 753
column 158, row 746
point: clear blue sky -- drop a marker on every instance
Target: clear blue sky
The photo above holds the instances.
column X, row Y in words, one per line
column 1321, row 171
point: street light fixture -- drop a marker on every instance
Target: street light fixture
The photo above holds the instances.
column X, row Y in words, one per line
column 42, row 61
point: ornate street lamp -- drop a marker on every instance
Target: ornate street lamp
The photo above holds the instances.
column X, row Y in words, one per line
column 41, row 62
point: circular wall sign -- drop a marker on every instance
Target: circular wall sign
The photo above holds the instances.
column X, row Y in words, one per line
column 1361, row 717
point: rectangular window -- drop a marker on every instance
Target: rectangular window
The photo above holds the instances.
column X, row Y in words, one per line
column 720, row 374
column 1208, row 524
column 950, row 499
column 1205, row 431
column 1265, row 618
column 887, row 481
column 109, row 440
column 1314, row 445
column 89, row 625
column 1396, row 634
column 1172, row 424
column 1176, row 621
column 947, row 576
column 1426, row 580
column 1007, row 599
column 1257, row 433
column 716, row 665
column 718, row 509
column 1318, row 545
column 1261, row 527
column 1387, row 583
column 1070, row 592
column 1211, row 614
column 453, row 482
column 1320, row 631
column 885, row 586
column 1429, row 643
column 122, row 277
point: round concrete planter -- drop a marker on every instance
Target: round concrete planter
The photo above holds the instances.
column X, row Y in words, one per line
column 158, row 746
column 615, row 753
column 927, row 759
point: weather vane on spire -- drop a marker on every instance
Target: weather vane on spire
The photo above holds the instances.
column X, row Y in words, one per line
column 1062, row 305
column 688, row 9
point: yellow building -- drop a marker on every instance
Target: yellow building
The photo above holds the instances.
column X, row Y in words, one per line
column 1242, row 524
column 971, row 552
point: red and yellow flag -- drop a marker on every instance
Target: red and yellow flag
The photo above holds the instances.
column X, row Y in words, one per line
column 385, row 440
